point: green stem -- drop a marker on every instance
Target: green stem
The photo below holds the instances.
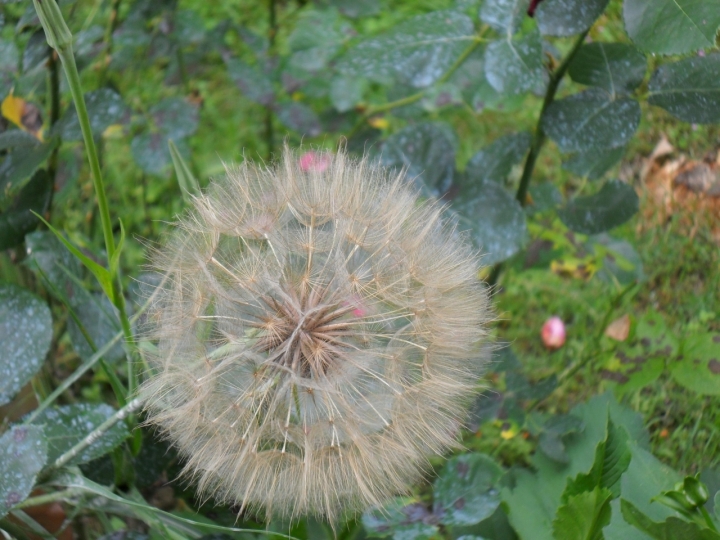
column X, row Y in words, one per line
column 59, row 38
column 46, row 498
column 539, row 136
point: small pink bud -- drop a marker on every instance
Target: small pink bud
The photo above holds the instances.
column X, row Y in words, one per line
column 314, row 161
column 553, row 333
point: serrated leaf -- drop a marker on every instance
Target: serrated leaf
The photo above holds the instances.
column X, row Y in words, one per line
column 25, row 332
column 253, row 83
column 66, row 426
column 613, row 205
column 19, row 166
column 688, row 89
column 514, row 65
column 493, row 162
column 175, row 117
column 427, row 151
column 591, row 120
column 672, row 26
column 418, row 51
column 299, row 117
column 496, row 222
column 568, row 17
column 23, row 453
column 466, row 492
column 584, row 516
column 400, row 518
column 672, row 528
column 18, row 219
column 105, row 107
column 698, row 366
column 504, row 15
column 615, row 67
column 593, row 164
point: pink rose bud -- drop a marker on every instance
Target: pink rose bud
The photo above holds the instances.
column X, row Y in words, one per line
column 314, row 161
column 553, row 333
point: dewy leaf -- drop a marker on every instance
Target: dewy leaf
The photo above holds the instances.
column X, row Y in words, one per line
column 299, row 117
column 427, row 151
column 698, row 366
column 496, row 222
column 514, row 65
column 18, row 219
column 568, row 17
column 591, row 120
column 504, row 15
column 23, row 453
column 19, row 166
column 466, row 492
column 418, row 51
column 615, row 67
column 593, row 164
column 175, row 117
column 672, row 26
column 401, row 517
column 689, row 89
column 613, row 205
column 67, row 425
column 25, row 333
column 346, row 92
column 583, row 516
column 252, row 82
column 493, row 163
column 105, row 107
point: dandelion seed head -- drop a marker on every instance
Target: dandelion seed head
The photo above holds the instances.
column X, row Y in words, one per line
column 319, row 336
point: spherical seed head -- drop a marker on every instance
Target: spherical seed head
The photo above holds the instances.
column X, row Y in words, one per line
column 318, row 335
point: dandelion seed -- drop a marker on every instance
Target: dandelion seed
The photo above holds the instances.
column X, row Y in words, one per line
column 320, row 336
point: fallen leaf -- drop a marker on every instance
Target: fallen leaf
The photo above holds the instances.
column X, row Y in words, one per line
column 24, row 115
column 619, row 328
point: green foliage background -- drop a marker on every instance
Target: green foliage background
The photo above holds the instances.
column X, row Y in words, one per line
column 530, row 129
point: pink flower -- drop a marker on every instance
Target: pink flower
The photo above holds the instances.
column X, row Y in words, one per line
column 553, row 333
column 314, row 161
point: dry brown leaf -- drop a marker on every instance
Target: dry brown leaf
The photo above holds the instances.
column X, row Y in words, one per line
column 619, row 328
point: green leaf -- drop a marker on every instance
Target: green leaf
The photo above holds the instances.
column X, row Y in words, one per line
column 531, row 508
column 672, row 528
column 25, row 332
column 617, row 68
column 504, row 15
column 253, row 83
column 151, row 152
column 299, row 117
column 316, row 37
column 355, row 9
column 19, row 166
column 553, row 432
column 698, row 366
column 466, row 492
column 175, row 117
column 584, row 516
column 568, row 17
column 612, row 458
column 189, row 186
column 672, row 26
column 496, row 222
column 418, row 51
column 67, row 425
column 593, row 164
column 23, row 453
column 427, row 151
column 514, row 65
column 688, row 89
column 18, row 219
column 402, row 518
column 613, row 205
column 105, row 107
column 591, row 120
column 101, row 273
column 346, row 92
column 16, row 137
column 493, row 162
